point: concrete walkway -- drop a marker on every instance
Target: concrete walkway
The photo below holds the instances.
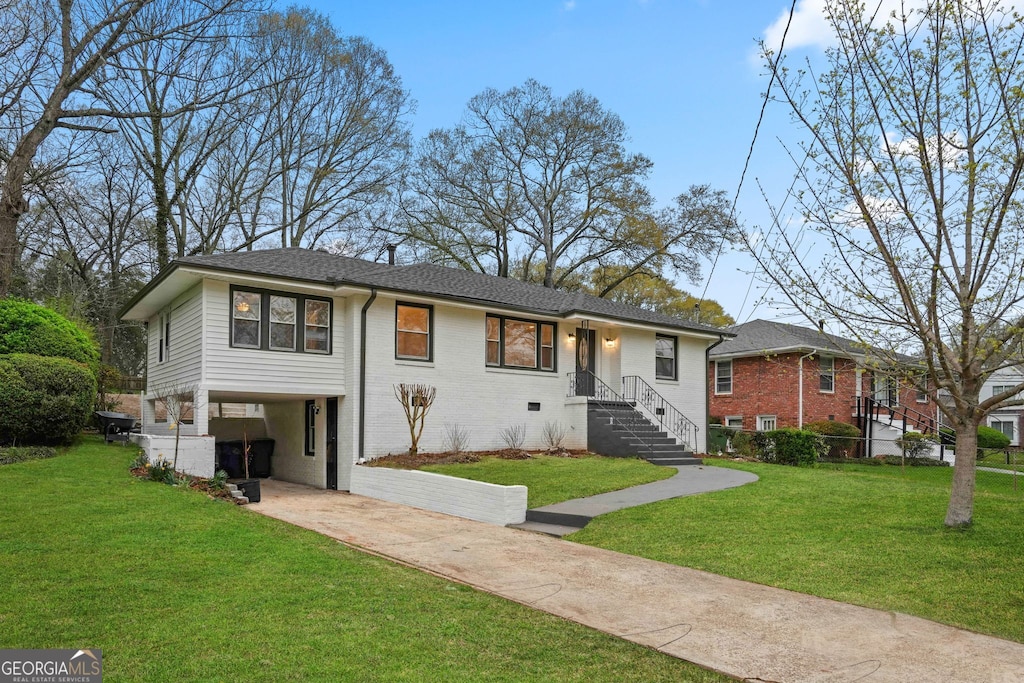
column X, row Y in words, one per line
column 560, row 519
column 745, row 630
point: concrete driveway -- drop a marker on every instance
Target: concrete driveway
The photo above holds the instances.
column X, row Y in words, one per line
column 745, row 630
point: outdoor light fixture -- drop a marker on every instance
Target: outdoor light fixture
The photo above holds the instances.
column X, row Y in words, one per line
column 572, row 336
column 609, row 342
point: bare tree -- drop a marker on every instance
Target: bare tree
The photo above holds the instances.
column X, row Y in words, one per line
column 535, row 186
column 47, row 83
column 912, row 227
column 331, row 114
column 187, row 84
column 178, row 399
column 416, row 400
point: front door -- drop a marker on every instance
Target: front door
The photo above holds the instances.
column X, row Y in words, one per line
column 332, row 444
column 585, row 361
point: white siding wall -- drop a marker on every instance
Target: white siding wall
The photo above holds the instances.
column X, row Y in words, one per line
column 688, row 393
column 184, row 362
column 255, row 370
column 1005, row 377
column 481, row 400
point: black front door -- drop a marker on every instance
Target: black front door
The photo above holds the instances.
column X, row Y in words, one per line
column 332, row 444
column 585, row 361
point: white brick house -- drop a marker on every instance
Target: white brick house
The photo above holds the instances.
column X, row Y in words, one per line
column 319, row 341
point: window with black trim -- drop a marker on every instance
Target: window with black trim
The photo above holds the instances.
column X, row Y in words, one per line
column 310, row 440
column 318, row 326
column 164, row 348
column 270, row 320
column 413, row 323
column 664, row 357
column 520, row 344
column 282, row 323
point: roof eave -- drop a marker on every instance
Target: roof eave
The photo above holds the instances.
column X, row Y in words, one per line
column 803, row 348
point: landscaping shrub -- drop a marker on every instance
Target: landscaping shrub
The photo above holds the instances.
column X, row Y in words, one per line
column 915, row 444
column 26, row 327
column 790, row 446
column 23, row 453
column 989, row 437
column 43, row 401
column 743, row 444
column 909, row 460
column 840, row 437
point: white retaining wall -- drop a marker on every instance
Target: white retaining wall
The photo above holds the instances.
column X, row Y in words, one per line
column 195, row 453
column 475, row 500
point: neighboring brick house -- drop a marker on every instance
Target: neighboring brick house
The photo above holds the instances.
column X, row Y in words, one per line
column 774, row 375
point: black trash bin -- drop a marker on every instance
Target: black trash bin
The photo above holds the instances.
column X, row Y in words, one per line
column 229, row 457
column 260, row 453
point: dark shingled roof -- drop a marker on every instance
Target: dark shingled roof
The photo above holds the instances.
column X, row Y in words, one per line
column 758, row 336
column 427, row 280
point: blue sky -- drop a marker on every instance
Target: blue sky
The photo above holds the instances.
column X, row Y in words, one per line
column 683, row 75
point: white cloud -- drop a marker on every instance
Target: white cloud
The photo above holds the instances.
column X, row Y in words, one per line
column 885, row 212
column 810, row 28
column 952, row 149
column 569, row 5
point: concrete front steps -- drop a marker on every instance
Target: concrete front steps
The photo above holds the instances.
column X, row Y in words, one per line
column 236, row 493
column 618, row 429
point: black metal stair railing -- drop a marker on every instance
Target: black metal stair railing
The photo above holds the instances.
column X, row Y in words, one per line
column 667, row 416
column 586, row 383
column 870, row 410
column 915, row 419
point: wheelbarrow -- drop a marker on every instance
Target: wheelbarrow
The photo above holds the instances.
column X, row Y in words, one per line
column 115, row 426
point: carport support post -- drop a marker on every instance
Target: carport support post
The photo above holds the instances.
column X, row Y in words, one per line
column 200, row 411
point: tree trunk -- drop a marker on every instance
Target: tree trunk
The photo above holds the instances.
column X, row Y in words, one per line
column 961, row 500
column 8, row 247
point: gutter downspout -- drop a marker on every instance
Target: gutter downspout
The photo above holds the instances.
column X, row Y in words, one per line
column 362, row 373
column 800, row 400
column 707, row 398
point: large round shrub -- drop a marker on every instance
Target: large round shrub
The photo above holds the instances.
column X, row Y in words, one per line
column 43, row 401
column 840, row 437
column 989, row 437
column 26, row 327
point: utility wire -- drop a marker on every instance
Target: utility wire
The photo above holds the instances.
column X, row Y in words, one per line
column 753, row 141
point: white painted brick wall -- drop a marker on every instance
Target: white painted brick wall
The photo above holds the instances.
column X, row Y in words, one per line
column 195, row 453
column 481, row 400
column 475, row 500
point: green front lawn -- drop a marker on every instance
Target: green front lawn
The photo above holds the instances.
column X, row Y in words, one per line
column 174, row 586
column 868, row 535
column 999, row 458
column 553, row 479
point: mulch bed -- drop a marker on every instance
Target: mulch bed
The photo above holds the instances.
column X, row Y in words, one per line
column 195, row 483
column 410, row 461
